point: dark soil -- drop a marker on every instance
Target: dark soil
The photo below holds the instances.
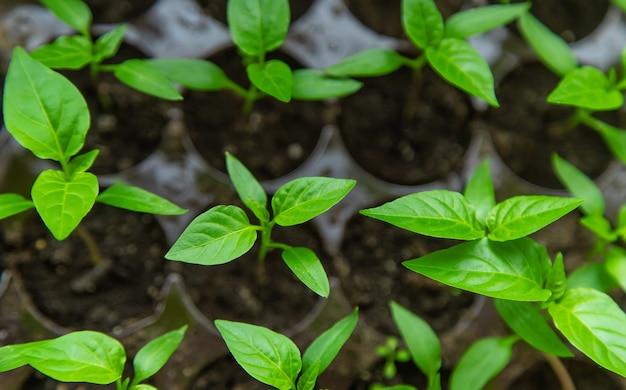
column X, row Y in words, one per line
column 226, row 374
column 217, row 8
column 118, row 11
column 407, row 129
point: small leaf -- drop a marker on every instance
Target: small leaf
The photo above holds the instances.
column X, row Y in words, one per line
column 600, row 226
column 422, row 22
column 311, row 84
column 513, row 270
column 304, row 263
column 420, row 339
column 479, row 20
column 482, row 361
column 461, row 65
column 594, row 324
column 258, row 26
column 304, row 198
column 107, row 45
column 528, row 323
column 140, row 75
column 579, row 185
column 479, row 191
column 11, row 204
column 553, row 51
column 368, row 63
column 614, row 138
column 153, row 356
column 520, row 216
column 73, row 12
column 593, row 275
column 309, row 377
column 616, row 265
column 557, row 280
column 66, row 52
column 587, row 87
column 267, row 356
column 83, row 162
column 248, row 188
column 191, row 73
column 137, row 199
column 61, row 202
column 437, row 213
column 274, row 78
column 217, row 236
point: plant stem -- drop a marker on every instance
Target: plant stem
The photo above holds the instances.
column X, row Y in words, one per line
column 266, row 243
column 412, row 99
column 561, row 372
column 251, row 96
column 101, row 265
column 94, row 251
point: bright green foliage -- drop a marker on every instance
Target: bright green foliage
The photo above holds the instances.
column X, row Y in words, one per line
column 274, row 78
column 579, row 185
column 479, row 20
column 256, row 26
column 153, row 356
column 224, row 233
column 11, row 204
column 479, row 191
column 139, row 200
column 312, row 84
column 482, row 361
column 392, row 354
column 587, row 87
column 274, row 359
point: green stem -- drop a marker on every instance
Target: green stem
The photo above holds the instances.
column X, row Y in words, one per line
column 251, row 96
column 266, row 244
column 561, row 372
column 92, row 247
column 412, row 99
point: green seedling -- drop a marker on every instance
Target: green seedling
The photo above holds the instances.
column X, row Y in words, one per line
column 392, row 354
column 500, row 261
column 224, row 233
column 275, row 360
column 79, row 51
column 258, row 28
column 586, row 88
column 92, row 357
column 441, row 44
column 47, row 115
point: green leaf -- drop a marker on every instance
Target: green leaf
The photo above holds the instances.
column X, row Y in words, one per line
column 11, row 355
column 368, row 63
column 326, row 346
column 479, row 20
column 528, row 323
column 594, row 324
column 621, row 4
column 600, row 226
column 139, row 200
column 304, row 198
column 587, row 87
column 66, row 52
column 579, row 185
column 437, row 213
column 614, row 138
column 461, row 65
column 73, row 12
column 84, row 356
column 420, row 339
column 422, row 22
column 593, row 275
column 143, row 387
column 140, row 75
column 61, row 202
column 520, row 216
column 616, row 265
column 274, row 78
column 482, row 361
column 191, row 73
column 307, row 380
column 248, row 188
column 551, row 49
column 311, row 84
column 557, row 280
column 82, row 162
column 153, row 356
column 267, row 356
column 479, row 191
column 513, row 270
column 217, row 236
column 11, row 204
column 43, row 111
column 258, row 26
column 107, row 45
column 304, row 263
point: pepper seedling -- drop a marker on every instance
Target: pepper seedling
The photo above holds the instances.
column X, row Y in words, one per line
column 224, row 233
column 441, row 44
column 257, row 28
column 275, row 360
column 77, row 51
column 92, row 357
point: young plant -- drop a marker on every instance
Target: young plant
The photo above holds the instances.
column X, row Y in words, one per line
column 257, row 28
column 92, row 357
column 224, row 233
column 78, row 51
column 274, row 359
column 392, row 354
column 47, row 115
column 442, row 45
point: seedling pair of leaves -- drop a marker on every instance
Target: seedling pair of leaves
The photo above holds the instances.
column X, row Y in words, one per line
column 500, row 261
column 585, row 87
column 224, row 233
column 92, row 357
column 442, row 45
column 47, row 115
column 77, row 51
column 275, row 360
column 258, row 28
